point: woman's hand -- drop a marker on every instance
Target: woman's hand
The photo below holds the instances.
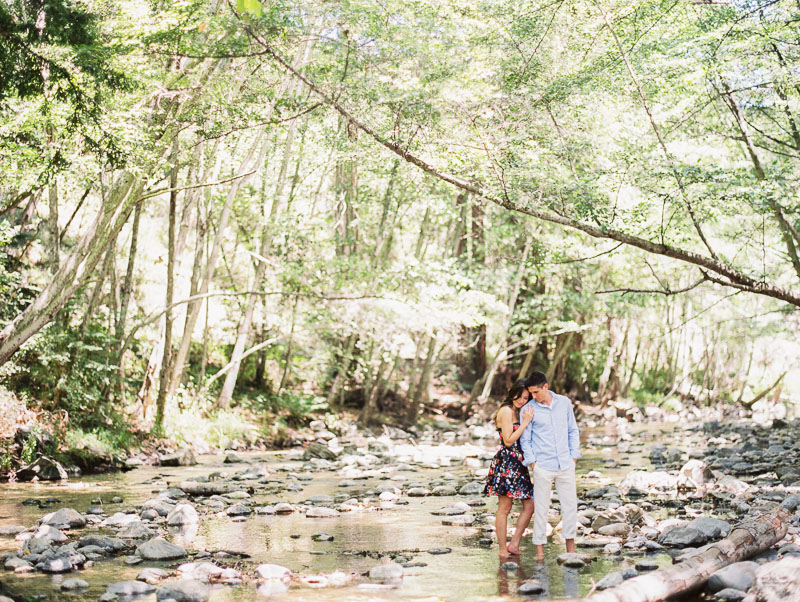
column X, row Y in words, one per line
column 527, row 415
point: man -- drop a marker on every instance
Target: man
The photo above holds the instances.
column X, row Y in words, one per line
column 550, row 444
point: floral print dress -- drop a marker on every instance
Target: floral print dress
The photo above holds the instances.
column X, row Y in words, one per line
column 508, row 476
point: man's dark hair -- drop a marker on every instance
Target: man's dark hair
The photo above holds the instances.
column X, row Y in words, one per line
column 536, row 379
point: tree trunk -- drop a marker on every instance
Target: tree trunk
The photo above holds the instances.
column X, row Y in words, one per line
column 385, row 205
column 163, row 381
column 127, row 285
column 96, row 292
column 371, row 402
column 500, row 353
column 287, row 362
column 611, row 358
column 341, row 369
column 746, row 540
column 421, row 390
column 201, row 250
column 193, row 311
column 226, row 394
column 53, row 231
column 145, row 395
column 563, row 343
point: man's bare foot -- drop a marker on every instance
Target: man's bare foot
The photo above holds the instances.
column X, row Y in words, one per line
column 539, row 558
column 512, row 549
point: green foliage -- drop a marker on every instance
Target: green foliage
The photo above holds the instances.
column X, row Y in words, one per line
column 64, row 372
column 54, row 56
column 291, row 409
column 28, row 452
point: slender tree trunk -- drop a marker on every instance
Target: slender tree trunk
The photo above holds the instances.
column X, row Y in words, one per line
column 127, row 285
column 261, row 363
column 54, row 233
column 341, row 369
column 96, row 294
column 563, row 344
column 385, row 205
column 611, row 358
column 201, row 250
column 500, row 354
column 371, row 400
column 421, row 390
column 412, row 375
column 163, row 383
column 626, row 389
column 193, row 310
column 226, row 394
column 287, row 361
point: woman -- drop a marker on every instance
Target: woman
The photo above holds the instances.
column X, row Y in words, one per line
column 508, row 478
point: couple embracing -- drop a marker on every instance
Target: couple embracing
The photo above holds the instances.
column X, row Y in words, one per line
column 539, row 447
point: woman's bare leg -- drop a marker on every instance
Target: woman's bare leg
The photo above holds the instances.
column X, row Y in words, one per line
column 501, row 524
column 522, row 523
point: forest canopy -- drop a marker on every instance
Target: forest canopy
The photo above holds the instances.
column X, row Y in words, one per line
column 287, row 205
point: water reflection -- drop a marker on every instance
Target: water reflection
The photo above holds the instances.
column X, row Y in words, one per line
column 470, row 573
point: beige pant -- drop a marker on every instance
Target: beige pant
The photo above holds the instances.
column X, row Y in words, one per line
column 567, row 496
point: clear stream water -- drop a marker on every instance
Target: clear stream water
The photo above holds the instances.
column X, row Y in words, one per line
column 471, row 572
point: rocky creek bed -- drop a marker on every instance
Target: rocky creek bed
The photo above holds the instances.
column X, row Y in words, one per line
column 392, row 517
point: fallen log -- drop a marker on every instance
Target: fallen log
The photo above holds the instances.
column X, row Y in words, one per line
column 747, row 539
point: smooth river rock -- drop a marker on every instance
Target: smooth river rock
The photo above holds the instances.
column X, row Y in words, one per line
column 160, row 549
column 65, row 518
column 186, row 590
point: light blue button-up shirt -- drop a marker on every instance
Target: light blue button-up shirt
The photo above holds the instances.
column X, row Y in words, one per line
column 552, row 438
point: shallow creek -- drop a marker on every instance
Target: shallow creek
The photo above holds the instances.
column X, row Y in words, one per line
column 470, row 572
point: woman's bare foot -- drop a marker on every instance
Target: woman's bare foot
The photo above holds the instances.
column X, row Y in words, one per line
column 503, row 554
column 512, row 549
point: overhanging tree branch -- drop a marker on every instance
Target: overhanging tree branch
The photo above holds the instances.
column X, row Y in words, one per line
column 735, row 278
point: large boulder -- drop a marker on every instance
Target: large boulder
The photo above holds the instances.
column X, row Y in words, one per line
column 712, row 528
column 694, row 475
column 160, row 549
column 656, row 482
column 682, row 537
column 130, row 589
column 110, row 544
column 317, row 449
column 65, row 518
column 199, row 571
column 389, row 572
column 182, row 514
column 186, row 590
column 273, row 572
column 740, row 575
column 778, row 581
column 184, row 457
